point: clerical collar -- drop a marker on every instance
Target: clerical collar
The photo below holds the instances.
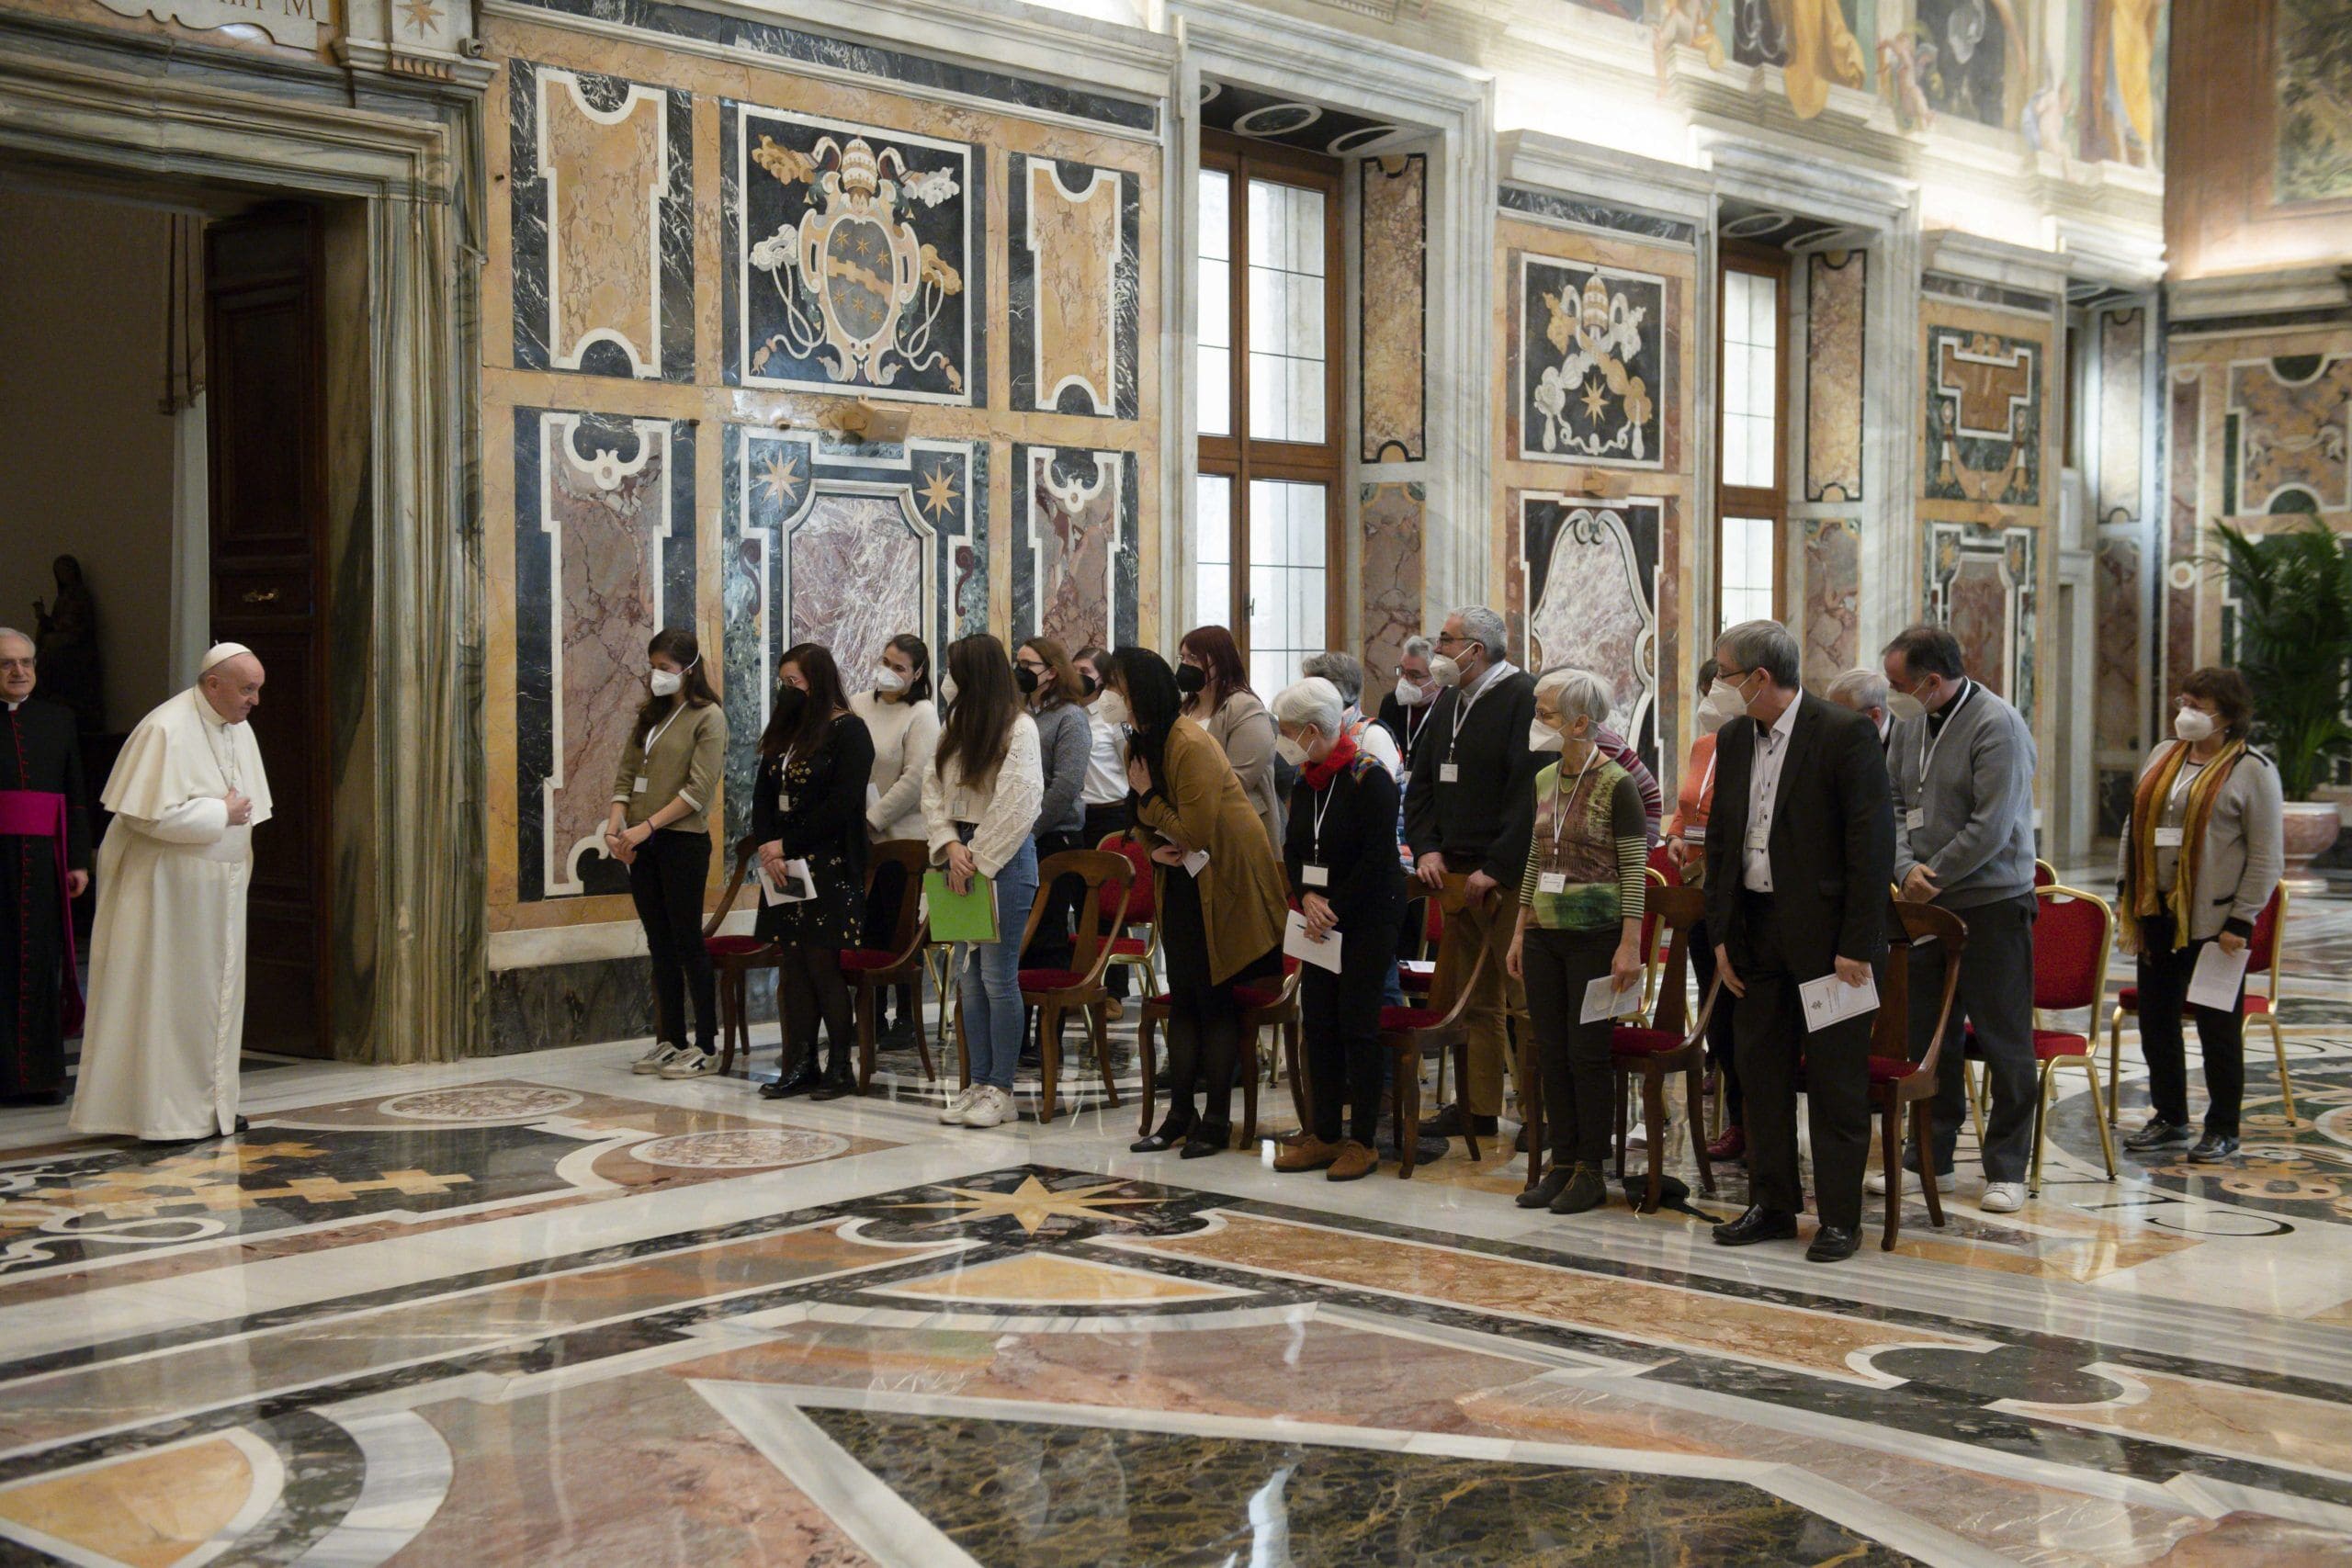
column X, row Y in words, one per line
column 1959, row 701
column 17, row 704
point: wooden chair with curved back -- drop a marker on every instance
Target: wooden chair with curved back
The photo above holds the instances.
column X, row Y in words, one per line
column 1667, row 1045
column 872, row 971
column 1263, row 1005
column 1133, row 952
column 1054, row 994
column 1411, row 1034
column 1899, row 1085
column 733, row 958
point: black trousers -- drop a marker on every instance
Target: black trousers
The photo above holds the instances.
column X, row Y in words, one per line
column 1769, row 1040
column 1052, row 946
column 1204, row 1017
column 1102, row 822
column 1579, row 1084
column 883, row 897
column 1995, row 993
column 665, row 882
column 1340, row 1017
column 1719, row 1024
column 2163, row 977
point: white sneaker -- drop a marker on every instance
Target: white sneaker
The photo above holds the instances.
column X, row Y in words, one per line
column 690, row 1062
column 952, row 1113
column 654, row 1061
column 2003, row 1198
column 992, row 1108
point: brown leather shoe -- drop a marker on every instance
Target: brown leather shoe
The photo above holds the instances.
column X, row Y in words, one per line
column 1307, row 1153
column 1354, row 1163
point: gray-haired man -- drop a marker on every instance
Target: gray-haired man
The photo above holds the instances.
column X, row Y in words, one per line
column 1862, row 689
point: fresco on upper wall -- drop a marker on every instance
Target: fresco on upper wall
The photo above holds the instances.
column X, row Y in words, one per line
column 2314, row 106
column 2123, row 107
column 1815, row 42
column 1964, row 57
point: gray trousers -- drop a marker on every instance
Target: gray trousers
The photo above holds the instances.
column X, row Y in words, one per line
column 1996, row 995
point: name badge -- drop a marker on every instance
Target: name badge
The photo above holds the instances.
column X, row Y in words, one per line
column 1914, row 818
column 641, row 783
column 1551, row 882
column 2168, row 837
column 1449, row 772
column 1314, row 875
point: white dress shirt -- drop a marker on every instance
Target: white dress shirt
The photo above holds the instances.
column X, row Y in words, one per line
column 1107, row 765
column 1763, row 795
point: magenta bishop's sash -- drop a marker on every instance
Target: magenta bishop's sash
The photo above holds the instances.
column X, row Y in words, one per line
column 41, row 813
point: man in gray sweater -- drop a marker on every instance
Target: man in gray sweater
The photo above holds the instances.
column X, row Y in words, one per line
column 1963, row 840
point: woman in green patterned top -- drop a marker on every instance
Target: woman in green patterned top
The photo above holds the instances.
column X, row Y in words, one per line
column 1581, row 907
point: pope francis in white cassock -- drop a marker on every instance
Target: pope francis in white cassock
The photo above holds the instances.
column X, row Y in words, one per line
column 166, row 1012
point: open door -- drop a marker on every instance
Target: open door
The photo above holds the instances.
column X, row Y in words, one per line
column 265, row 343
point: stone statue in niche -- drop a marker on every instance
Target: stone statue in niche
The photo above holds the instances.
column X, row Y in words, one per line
column 67, row 645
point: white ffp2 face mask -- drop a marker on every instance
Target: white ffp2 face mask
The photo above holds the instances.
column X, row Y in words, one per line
column 1290, row 751
column 665, row 683
column 2192, row 726
column 1542, row 737
column 888, row 682
column 1902, row 705
column 1445, row 671
column 1719, row 706
column 1112, row 709
column 1410, row 696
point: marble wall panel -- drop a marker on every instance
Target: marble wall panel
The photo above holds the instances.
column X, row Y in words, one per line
column 854, row 257
column 1982, row 583
column 2185, row 440
column 604, row 558
column 1392, row 307
column 1833, row 586
column 847, row 547
column 2122, row 395
column 1392, row 516
column 1590, row 378
column 1075, row 567
column 2120, row 657
column 1837, row 294
column 1591, row 570
column 1559, row 207
column 2289, row 424
column 1072, row 281
column 1984, row 402
column 602, row 174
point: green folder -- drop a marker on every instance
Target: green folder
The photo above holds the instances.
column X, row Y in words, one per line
column 960, row 917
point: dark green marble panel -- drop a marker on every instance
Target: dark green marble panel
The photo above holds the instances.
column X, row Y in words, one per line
column 1035, row 1495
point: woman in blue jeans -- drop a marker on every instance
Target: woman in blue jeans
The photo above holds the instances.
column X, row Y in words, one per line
column 980, row 797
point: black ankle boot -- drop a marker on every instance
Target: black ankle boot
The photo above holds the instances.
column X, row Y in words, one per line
column 800, row 1080
column 839, row 1079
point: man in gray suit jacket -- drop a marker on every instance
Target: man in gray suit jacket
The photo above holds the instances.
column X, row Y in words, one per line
column 1962, row 775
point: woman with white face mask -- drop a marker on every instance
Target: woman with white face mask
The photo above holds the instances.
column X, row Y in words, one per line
column 1581, row 907
column 904, row 725
column 1685, row 846
column 668, row 777
column 2201, row 855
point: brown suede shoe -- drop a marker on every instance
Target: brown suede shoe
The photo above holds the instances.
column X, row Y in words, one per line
column 1307, row 1152
column 1354, row 1163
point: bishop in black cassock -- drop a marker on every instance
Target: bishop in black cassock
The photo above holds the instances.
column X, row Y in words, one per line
column 44, row 864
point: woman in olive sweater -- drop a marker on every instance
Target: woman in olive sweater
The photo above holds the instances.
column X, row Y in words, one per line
column 1341, row 856
column 1209, row 851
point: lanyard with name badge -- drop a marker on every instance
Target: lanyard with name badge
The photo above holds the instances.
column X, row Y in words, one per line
column 1315, row 874
column 2172, row 837
column 1558, row 881
column 1450, row 770
column 1916, row 818
column 645, row 757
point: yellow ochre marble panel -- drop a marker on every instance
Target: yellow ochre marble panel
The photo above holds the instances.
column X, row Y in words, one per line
column 151, row 1510
column 604, row 175
column 1075, row 237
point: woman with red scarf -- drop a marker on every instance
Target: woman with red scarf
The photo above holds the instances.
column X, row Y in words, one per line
column 1341, row 851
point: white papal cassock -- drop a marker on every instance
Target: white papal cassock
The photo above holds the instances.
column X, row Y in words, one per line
column 167, row 952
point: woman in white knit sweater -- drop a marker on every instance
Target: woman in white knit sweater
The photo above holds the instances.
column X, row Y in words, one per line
column 979, row 802
column 898, row 714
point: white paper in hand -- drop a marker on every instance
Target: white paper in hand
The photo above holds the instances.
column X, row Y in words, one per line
column 1196, row 862
column 1604, row 999
column 795, row 886
column 1830, row 1000
column 2217, row 978
column 1297, row 944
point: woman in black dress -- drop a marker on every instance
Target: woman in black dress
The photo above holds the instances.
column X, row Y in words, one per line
column 808, row 806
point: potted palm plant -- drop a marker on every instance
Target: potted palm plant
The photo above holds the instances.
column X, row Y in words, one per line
column 2294, row 646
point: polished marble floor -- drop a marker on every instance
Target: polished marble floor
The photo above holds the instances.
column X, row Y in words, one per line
column 538, row 1309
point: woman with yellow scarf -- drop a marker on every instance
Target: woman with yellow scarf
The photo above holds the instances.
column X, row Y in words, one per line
column 2199, row 858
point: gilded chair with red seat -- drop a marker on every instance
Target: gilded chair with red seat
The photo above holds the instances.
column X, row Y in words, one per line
column 1263, row 1005
column 1134, row 951
column 1411, row 1034
column 872, row 971
column 1052, row 995
column 2044, row 873
column 2262, row 958
column 2074, row 932
column 1899, row 1085
column 733, row 959
column 1652, row 1050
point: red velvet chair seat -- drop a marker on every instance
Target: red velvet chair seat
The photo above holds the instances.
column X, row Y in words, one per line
column 1890, row 1069
column 1257, row 996
column 2257, row 1004
column 865, row 958
column 732, row 946
column 1050, row 979
column 2049, row 1043
column 1627, row 1040
column 1397, row 1019
column 1129, row 947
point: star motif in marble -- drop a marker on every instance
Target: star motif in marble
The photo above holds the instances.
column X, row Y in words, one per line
column 938, row 493
column 781, row 476
column 1596, row 402
column 423, row 15
column 209, row 1181
column 1030, row 1205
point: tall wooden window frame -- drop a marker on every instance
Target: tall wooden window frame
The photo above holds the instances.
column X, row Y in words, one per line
column 1237, row 455
column 1745, row 501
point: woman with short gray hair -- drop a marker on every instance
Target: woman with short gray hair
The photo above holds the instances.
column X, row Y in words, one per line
column 1581, row 907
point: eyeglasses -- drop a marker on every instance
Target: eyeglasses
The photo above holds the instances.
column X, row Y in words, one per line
column 1444, row 637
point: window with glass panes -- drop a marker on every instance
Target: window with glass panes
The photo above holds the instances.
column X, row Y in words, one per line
column 1752, row 382
column 1266, row 504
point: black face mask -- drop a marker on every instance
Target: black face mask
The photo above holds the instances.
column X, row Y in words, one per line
column 1025, row 678
column 1191, row 679
column 1088, row 683
column 789, row 700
